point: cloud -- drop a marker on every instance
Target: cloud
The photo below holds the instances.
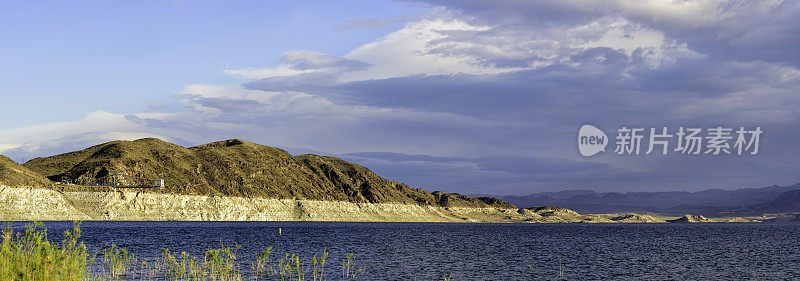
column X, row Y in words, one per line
column 402, row 157
column 491, row 163
column 488, row 96
column 156, row 106
column 486, row 174
column 535, row 165
column 302, row 63
column 506, row 46
column 728, row 29
column 61, row 137
column 8, row 146
column 371, row 23
column 309, row 60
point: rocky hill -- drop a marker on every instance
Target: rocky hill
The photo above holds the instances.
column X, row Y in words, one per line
column 243, row 169
column 786, row 202
column 690, row 219
column 13, row 174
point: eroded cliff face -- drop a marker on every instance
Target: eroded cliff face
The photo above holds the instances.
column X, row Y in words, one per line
column 17, row 203
column 41, row 204
column 48, row 204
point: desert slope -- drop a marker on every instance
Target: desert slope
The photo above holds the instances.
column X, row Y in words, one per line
column 13, row 174
column 242, row 169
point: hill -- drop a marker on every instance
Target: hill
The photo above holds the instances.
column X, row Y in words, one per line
column 714, row 202
column 690, row 219
column 13, row 174
column 787, row 202
column 240, row 168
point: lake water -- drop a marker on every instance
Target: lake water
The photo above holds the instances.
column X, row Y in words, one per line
column 430, row 251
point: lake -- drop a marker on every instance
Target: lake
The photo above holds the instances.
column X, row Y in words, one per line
column 431, row 251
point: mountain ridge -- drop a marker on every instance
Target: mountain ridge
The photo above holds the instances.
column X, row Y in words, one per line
column 710, row 201
column 14, row 174
column 239, row 168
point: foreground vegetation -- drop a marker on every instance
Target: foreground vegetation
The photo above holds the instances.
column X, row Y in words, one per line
column 29, row 255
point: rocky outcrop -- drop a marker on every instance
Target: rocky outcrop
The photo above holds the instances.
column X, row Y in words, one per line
column 690, row 219
column 740, row 219
column 21, row 203
column 555, row 214
column 636, row 218
column 36, row 204
column 786, row 217
column 49, row 204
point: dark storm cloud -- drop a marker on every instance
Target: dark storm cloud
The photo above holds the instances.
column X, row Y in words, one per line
column 154, row 123
column 400, row 157
column 535, row 165
column 492, row 163
column 370, row 23
column 482, row 174
column 765, row 34
column 309, row 60
column 331, row 68
column 227, row 105
column 305, row 82
column 717, row 79
column 565, row 95
column 550, row 91
column 510, row 12
column 728, row 30
column 538, row 111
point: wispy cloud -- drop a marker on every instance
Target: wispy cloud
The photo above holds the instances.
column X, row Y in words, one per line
column 371, row 23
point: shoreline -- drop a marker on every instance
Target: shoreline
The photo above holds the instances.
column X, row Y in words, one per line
column 47, row 204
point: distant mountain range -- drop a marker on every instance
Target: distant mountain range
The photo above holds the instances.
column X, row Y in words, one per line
column 711, row 202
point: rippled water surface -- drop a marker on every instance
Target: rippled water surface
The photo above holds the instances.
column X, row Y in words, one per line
column 430, row 251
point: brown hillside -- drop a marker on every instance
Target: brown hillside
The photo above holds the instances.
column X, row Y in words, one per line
column 240, row 168
column 13, row 174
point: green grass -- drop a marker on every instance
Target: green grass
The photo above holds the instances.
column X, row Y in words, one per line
column 29, row 255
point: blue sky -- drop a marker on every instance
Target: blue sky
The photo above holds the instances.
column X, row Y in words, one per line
column 69, row 58
column 464, row 96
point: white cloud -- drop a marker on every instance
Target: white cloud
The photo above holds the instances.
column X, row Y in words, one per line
column 444, row 44
column 258, row 73
column 94, row 128
column 93, row 121
column 408, row 52
column 694, row 13
column 297, row 62
column 8, row 146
